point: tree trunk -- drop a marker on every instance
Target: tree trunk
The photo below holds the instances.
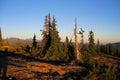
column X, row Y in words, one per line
column 78, row 54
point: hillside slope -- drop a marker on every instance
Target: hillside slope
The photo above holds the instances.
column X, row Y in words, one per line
column 23, row 67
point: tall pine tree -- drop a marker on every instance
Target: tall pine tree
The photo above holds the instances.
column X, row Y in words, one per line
column 34, row 44
column 98, row 46
column 82, row 36
column 54, row 51
column 111, row 49
column 66, row 45
column 51, row 47
column 91, row 42
column 66, row 49
column 45, row 43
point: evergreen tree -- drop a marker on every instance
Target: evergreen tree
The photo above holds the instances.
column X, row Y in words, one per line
column 118, row 52
column 91, row 42
column 82, row 36
column 66, row 45
column 67, row 41
column 111, row 49
column 45, row 43
column 107, row 51
column 98, row 46
column 34, row 44
column 1, row 41
column 68, row 48
column 54, row 51
column 51, row 47
column 71, row 50
column 86, row 56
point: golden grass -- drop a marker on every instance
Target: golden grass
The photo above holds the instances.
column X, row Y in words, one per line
column 25, row 68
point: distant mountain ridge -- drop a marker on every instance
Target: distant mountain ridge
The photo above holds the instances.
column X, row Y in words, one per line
column 13, row 41
column 117, row 44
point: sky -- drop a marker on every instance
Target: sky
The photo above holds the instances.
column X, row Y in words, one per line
column 23, row 18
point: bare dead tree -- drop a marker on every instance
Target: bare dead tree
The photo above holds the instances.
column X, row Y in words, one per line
column 78, row 54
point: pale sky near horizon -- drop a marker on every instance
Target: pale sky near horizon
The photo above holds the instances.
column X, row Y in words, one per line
column 23, row 18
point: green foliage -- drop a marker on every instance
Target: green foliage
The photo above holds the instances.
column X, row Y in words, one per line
column 118, row 52
column 66, row 45
column 98, row 46
column 110, row 49
column 103, row 72
column 51, row 46
column 107, row 50
column 54, row 48
column 26, row 48
column 68, row 49
column 111, row 73
column 96, row 69
column 85, row 54
column 91, row 43
column 71, row 50
column 34, row 44
column 86, row 57
column 34, row 52
column 82, row 36
column 46, row 40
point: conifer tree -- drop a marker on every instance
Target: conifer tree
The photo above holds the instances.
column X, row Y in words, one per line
column 91, row 42
column 71, row 50
column 34, row 44
column 54, row 50
column 98, row 46
column 45, row 43
column 111, row 49
column 118, row 52
column 66, row 45
column 51, row 47
column 106, row 50
column 34, row 49
column 82, row 36
column 67, row 41
column 83, row 46
column 67, row 49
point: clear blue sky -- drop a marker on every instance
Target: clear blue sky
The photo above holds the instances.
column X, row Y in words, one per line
column 23, row 18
